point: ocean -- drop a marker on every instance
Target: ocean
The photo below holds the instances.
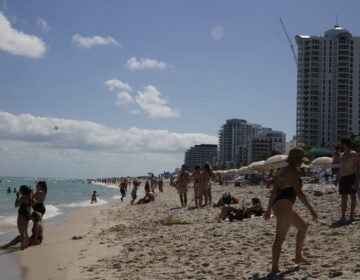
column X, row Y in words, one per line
column 64, row 196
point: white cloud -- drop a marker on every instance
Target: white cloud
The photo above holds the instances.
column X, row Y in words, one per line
column 124, row 98
column 18, row 43
column 146, row 63
column 151, row 102
column 89, row 42
column 116, row 84
column 54, row 133
column 42, row 24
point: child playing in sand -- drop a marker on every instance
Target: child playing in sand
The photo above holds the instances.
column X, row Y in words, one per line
column 93, row 198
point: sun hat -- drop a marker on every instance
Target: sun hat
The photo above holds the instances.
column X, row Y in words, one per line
column 297, row 155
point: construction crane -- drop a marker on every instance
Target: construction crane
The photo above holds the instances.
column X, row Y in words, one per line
column 288, row 38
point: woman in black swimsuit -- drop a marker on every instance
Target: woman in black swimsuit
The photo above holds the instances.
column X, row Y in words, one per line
column 24, row 204
column 39, row 197
column 287, row 187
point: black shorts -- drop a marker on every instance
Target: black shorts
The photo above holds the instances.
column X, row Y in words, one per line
column 346, row 184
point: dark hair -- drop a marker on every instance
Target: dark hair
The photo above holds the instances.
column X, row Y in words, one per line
column 24, row 190
column 346, row 141
column 207, row 166
column 255, row 200
column 197, row 167
column 42, row 185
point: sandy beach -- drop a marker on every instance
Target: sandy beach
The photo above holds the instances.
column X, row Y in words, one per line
column 132, row 242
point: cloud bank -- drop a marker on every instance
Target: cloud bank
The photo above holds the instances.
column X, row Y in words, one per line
column 18, row 43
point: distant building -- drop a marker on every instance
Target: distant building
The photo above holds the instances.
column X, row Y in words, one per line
column 236, row 145
column 199, row 154
column 291, row 144
column 328, row 86
column 267, row 144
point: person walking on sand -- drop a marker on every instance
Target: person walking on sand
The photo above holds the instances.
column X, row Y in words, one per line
column 182, row 185
column 286, row 188
column 123, row 186
column 134, row 190
column 161, row 185
column 348, row 177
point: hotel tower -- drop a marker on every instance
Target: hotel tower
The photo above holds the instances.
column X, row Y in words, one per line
column 327, row 87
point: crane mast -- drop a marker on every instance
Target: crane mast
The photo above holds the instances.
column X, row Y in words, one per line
column 288, row 38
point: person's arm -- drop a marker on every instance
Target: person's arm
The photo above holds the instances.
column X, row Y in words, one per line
column 295, row 182
column 267, row 213
column 357, row 164
column 18, row 200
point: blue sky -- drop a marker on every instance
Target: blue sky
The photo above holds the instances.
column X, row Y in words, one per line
column 110, row 88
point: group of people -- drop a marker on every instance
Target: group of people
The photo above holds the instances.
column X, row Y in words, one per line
column 202, row 185
column 31, row 207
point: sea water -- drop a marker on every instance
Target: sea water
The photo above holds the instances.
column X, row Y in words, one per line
column 63, row 196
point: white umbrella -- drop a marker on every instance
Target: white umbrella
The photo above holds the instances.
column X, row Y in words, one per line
column 258, row 166
column 275, row 162
column 324, row 162
column 243, row 170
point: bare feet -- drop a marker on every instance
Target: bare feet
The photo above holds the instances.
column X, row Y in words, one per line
column 301, row 260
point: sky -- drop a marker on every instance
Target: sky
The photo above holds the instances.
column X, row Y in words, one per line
column 92, row 88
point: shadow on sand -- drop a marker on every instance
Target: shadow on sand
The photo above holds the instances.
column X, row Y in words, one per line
column 278, row 276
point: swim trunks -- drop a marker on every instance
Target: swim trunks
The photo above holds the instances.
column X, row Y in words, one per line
column 346, row 184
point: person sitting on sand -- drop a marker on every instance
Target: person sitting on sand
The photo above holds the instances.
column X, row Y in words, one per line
column 182, row 185
column 37, row 232
column 254, row 208
column 93, row 198
column 150, row 196
column 134, row 190
column 245, row 211
column 24, row 203
column 286, row 188
column 226, row 198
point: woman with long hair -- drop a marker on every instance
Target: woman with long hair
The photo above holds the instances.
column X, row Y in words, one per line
column 205, row 184
column 24, row 203
column 39, row 197
column 286, row 187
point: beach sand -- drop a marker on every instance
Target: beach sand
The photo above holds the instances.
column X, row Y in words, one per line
column 132, row 242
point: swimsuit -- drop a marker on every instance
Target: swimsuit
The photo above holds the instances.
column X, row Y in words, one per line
column 39, row 207
column 346, row 184
column 286, row 193
column 24, row 210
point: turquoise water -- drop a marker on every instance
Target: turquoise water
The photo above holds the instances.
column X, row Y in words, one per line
column 63, row 196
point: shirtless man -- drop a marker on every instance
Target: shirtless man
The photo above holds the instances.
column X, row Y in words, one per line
column 348, row 177
column 336, row 162
column 123, row 186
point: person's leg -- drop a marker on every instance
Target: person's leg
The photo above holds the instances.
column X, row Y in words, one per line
column 352, row 205
column 181, row 200
column 300, row 237
column 200, row 192
column 13, row 242
column 283, row 213
column 210, row 195
column 185, row 199
column 344, row 199
column 196, row 192
column 23, row 226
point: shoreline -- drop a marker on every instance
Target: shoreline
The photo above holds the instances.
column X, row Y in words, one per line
column 121, row 241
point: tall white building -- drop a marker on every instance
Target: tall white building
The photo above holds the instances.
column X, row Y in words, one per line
column 328, row 87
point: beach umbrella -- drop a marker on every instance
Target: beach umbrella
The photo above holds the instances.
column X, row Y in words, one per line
column 243, row 170
column 324, row 162
column 275, row 162
column 258, row 166
column 320, row 151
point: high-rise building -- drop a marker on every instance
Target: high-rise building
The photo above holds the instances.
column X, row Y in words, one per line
column 327, row 87
column 233, row 142
column 267, row 144
column 199, row 154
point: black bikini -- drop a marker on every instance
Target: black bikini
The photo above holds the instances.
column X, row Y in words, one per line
column 24, row 210
column 286, row 193
column 39, row 207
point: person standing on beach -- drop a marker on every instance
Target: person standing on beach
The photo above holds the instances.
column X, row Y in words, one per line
column 153, row 183
column 122, row 187
column 336, row 162
column 161, row 185
column 348, row 177
column 286, row 188
column 196, row 177
column 205, row 184
column 182, row 185
column 24, row 203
